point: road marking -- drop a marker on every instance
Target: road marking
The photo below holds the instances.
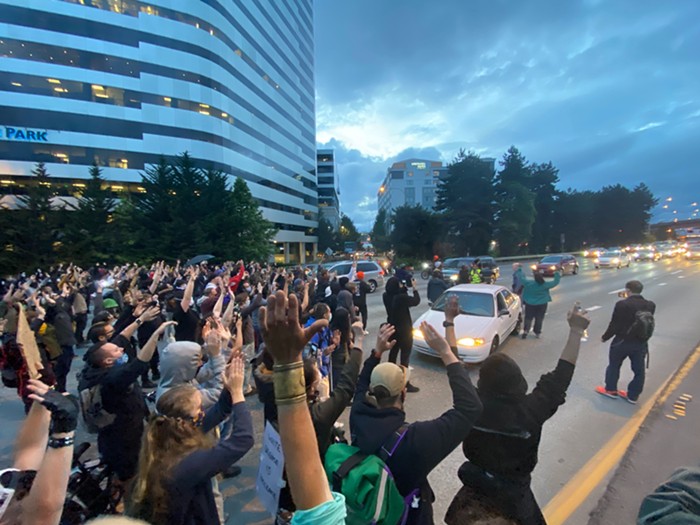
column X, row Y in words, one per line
column 681, row 276
column 614, row 292
column 677, row 271
column 593, row 308
column 582, row 484
column 662, row 284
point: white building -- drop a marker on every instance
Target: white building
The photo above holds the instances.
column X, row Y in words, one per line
column 328, row 187
column 410, row 182
column 122, row 82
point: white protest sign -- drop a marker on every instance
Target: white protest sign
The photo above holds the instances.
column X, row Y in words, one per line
column 270, row 480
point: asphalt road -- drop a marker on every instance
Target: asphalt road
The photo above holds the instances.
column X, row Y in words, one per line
column 580, row 428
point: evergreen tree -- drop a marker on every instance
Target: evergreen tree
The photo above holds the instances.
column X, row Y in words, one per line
column 153, row 212
column 515, row 203
column 543, row 185
column 415, row 232
column 327, row 236
column 32, row 229
column 348, row 231
column 380, row 238
column 466, row 199
column 253, row 233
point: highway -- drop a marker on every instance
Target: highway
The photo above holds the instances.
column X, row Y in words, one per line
column 582, row 427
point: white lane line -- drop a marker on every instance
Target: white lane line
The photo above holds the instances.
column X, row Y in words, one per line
column 681, row 276
column 614, row 292
column 593, row 308
column 677, row 271
column 662, row 284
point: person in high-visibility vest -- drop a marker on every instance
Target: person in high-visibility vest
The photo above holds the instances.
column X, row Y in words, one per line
column 475, row 273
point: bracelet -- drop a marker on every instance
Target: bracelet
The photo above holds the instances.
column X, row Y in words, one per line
column 61, row 442
column 290, row 387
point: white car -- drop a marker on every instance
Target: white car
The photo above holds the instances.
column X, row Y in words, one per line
column 489, row 313
column 613, row 259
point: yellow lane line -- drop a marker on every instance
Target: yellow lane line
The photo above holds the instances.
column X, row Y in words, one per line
column 580, row 486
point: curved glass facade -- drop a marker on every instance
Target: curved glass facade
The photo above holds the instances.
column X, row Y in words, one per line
column 122, row 82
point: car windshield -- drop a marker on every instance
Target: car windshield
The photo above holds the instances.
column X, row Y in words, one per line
column 470, row 303
column 612, row 253
column 552, row 259
column 457, row 263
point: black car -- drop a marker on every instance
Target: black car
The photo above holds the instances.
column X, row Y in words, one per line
column 489, row 269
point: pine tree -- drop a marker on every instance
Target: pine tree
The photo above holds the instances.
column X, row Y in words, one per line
column 252, row 232
column 380, row 238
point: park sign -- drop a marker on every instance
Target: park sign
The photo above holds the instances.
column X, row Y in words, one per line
column 23, row 134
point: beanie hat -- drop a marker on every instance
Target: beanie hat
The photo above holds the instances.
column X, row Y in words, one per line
column 500, row 376
column 360, row 275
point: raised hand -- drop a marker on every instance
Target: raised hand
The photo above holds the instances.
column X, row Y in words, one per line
column 578, row 318
column 434, row 339
column 283, row 335
column 233, row 378
column 384, row 343
column 451, row 308
column 64, row 409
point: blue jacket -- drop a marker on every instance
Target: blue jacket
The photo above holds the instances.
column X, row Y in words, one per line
column 534, row 293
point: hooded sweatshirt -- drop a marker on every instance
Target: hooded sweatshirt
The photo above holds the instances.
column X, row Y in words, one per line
column 179, row 365
column 425, row 443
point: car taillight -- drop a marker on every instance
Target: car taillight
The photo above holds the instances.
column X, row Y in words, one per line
column 381, row 272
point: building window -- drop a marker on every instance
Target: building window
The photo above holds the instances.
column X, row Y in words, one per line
column 410, row 194
column 396, row 174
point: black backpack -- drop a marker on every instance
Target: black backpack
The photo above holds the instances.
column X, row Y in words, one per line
column 643, row 326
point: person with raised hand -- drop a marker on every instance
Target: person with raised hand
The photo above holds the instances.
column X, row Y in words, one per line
column 34, row 489
column 501, row 449
column 378, row 413
column 177, row 460
column 285, row 340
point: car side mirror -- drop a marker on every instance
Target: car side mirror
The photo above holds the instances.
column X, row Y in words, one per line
column 503, row 312
column 430, row 304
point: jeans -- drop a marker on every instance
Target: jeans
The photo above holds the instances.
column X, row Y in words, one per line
column 404, row 344
column 536, row 312
column 620, row 350
column 80, row 324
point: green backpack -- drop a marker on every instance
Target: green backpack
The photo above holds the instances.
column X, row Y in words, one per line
column 371, row 496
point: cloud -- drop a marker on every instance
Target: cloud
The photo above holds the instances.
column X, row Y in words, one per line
column 607, row 91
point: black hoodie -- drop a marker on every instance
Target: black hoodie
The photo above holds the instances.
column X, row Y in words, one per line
column 425, row 444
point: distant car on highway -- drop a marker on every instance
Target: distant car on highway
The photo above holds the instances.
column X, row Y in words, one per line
column 489, row 269
column 564, row 263
column 374, row 273
column 593, row 252
column 692, row 251
column 613, row 258
column 489, row 313
column 646, row 254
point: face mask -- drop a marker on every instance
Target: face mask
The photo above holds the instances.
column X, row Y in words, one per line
column 123, row 359
column 248, row 289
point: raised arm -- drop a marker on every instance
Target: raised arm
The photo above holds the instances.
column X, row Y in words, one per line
column 189, row 289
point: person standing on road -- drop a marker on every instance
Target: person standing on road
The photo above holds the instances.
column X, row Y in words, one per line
column 536, row 297
column 502, row 447
column 626, row 343
column 360, row 298
column 436, row 285
column 475, row 276
column 399, row 297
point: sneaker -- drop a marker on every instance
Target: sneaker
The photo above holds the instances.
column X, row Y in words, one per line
column 231, row 472
column 612, row 394
column 537, row 336
column 523, row 335
column 624, row 396
column 251, row 391
column 147, row 383
column 156, row 376
column 412, row 388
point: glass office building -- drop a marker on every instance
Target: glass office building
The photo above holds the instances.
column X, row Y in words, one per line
column 122, row 82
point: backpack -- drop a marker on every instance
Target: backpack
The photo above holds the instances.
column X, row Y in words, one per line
column 371, row 496
column 643, row 326
column 94, row 414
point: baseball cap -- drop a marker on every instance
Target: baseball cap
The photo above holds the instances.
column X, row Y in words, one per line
column 110, row 303
column 390, row 376
column 209, row 286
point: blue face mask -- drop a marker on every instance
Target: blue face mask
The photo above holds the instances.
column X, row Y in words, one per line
column 123, row 359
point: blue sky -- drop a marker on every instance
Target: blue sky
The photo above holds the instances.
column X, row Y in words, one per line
column 609, row 91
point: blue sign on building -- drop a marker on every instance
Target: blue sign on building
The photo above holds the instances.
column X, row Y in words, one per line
column 23, row 134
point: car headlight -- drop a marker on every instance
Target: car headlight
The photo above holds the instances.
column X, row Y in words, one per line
column 471, row 341
column 534, row 267
column 596, row 260
column 417, row 333
column 454, row 277
column 585, row 253
column 615, row 260
column 552, row 267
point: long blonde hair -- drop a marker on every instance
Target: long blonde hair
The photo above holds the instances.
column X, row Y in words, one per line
column 169, row 437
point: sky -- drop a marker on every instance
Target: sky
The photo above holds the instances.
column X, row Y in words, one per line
column 608, row 91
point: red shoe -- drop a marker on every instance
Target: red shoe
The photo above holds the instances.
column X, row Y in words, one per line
column 624, row 396
column 612, row 394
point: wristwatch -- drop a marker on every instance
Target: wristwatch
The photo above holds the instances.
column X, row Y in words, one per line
column 445, row 324
column 138, row 321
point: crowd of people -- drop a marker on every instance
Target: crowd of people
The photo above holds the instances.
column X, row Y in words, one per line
column 203, row 337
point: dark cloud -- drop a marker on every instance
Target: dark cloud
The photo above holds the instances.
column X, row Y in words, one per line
column 608, row 91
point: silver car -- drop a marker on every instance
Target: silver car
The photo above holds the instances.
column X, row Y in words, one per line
column 374, row 273
column 613, row 259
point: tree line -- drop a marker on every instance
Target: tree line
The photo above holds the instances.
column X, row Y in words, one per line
column 184, row 211
column 519, row 207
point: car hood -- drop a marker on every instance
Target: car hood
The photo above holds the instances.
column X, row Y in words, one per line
column 465, row 325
